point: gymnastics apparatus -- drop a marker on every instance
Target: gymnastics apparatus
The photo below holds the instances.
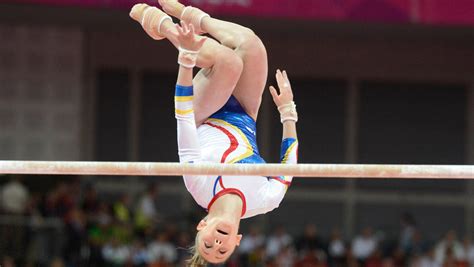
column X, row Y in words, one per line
column 216, row 114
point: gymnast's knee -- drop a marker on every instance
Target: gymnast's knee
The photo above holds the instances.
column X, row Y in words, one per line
column 253, row 46
column 236, row 39
column 229, row 62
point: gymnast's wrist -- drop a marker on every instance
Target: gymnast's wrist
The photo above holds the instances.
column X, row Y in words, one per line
column 187, row 58
column 288, row 112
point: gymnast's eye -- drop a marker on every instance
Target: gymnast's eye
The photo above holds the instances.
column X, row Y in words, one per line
column 222, row 252
column 206, row 245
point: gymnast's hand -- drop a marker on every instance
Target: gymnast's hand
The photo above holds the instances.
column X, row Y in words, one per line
column 187, row 38
column 286, row 94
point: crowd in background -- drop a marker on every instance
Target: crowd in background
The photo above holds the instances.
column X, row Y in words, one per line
column 71, row 226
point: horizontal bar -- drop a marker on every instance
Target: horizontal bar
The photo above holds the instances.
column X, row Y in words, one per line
column 178, row 169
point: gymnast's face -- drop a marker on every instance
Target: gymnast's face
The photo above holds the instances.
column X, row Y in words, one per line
column 216, row 239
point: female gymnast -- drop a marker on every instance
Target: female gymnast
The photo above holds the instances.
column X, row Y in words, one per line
column 216, row 115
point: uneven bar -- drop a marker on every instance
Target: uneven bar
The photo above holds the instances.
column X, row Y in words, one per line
column 297, row 170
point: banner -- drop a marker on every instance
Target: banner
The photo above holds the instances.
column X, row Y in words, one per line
column 460, row 12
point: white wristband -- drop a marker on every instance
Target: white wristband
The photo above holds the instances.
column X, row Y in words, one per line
column 187, row 58
column 288, row 112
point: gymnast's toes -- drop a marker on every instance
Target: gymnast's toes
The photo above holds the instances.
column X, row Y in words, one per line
column 137, row 11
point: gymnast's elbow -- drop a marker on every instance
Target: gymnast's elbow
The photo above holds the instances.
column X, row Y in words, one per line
column 274, row 200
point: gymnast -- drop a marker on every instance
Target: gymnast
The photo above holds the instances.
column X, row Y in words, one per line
column 216, row 115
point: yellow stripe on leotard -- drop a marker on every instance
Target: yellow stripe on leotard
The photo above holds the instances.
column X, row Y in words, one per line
column 287, row 153
column 249, row 152
column 183, row 98
column 183, row 111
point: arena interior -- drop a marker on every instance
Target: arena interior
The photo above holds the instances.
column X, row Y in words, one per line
column 375, row 82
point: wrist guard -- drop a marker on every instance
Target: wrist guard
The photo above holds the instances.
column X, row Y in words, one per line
column 187, row 58
column 288, row 112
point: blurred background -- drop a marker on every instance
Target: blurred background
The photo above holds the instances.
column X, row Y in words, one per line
column 375, row 81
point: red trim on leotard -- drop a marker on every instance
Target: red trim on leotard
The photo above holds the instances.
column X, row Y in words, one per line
column 234, row 143
column 221, row 183
column 234, row 191
column 281, row 180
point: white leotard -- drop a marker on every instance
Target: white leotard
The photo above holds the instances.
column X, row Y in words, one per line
column 228, row 136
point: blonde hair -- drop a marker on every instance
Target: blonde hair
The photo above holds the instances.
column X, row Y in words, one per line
column 196, row 260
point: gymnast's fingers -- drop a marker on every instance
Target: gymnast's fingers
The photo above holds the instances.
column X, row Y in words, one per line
column 274, row 94
column 280, row 79
column 285, row 75
column 191, row 29
column 188, row 30
column 180, row 30
column 184, row 27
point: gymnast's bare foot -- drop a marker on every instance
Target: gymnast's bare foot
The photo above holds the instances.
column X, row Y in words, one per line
column 151, row 18
column 188, row 14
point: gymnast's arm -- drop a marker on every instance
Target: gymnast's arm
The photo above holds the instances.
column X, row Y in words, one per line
column 188, row 142
column 289, row 145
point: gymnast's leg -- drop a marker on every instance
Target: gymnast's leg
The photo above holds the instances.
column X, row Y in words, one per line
column 220, row 66
column 242, row 40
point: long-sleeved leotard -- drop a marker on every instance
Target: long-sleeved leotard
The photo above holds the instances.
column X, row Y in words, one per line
column 228, row 136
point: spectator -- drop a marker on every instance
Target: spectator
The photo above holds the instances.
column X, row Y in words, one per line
column 427, row 260
column 75, row 234
column 258, row 257
column 171, row 232
column 65, row 199
column 450, row 259
column 103, row 216
column 277, row 241
column 146, row 212
column 312, row 259
column 249, row 245
column 48, row 207
column 351, row 261
column 7, row 262
column 34, row 205
column 468, row 251
column 182, row 243
column 161, row 250
column 310, row 239
column 99, row 231
column 139, row 254
column 415, row 260
column 109, row 231
column 115, row 253
column 375, row 259
column 286, row 257
column 448, row 244
column 336, row 249
column 364, row 245
column 14, row 197
column 418, row 245
column 399, row 257
column 91, row 203
column 389, row 262
column 75, row 190
column 122, row 209
column 57, row 262
column 14, row 200
column 407, row 232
